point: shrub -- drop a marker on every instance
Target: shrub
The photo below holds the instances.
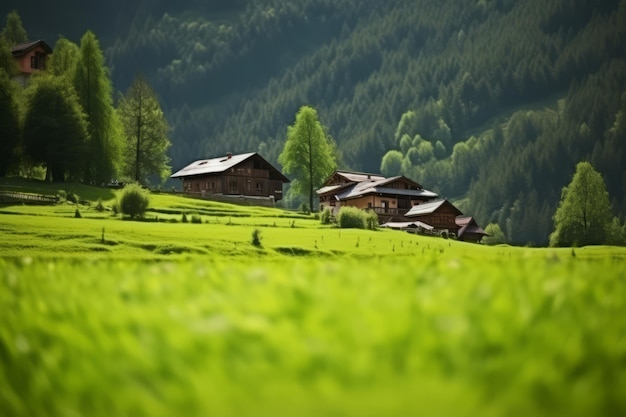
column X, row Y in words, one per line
column 256, row 238
column 326, row 216
column 196, row 219
column 72, row 197
column 304, row 207
column 351, row 218
column 77, row 214
column 184, row 218
column 100, row 206
column 134, row 201
column 495, row 235
column 371, row 220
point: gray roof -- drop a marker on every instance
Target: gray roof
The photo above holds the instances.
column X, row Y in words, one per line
column 378, row 187
column 360, row 176
column 218, row 165
column 428, row 208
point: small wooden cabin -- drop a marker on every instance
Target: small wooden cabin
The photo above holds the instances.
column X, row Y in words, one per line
column 440, row 214
column 242, row 175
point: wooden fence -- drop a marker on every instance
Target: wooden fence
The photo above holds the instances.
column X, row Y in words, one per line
column 11, row 197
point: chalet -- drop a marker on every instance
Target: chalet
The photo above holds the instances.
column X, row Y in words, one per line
column 31, row 57
column 441, row 214
column 469, row 231
column 246, row 175
column 388, row 197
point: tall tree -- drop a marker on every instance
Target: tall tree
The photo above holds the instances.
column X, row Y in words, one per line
column 308, row 154
column 14, row 32
column 55, row 129
column 9, row 122
column 584, row 213
column 94, row 91
column 146, row 132
column 64, row 59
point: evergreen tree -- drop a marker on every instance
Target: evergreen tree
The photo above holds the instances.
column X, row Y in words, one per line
column 584, row 213
column 55, row 129
column 9, row 123
column 94, row 91
column 146, row 133
column 64, row 59
column 308, row 154
column 14, row 32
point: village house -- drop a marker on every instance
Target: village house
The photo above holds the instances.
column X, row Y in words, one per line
column 244, row 175
column 400, row 203
column 30, row 57
column 389, row 197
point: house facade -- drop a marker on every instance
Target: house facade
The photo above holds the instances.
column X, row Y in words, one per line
column 389, row 197
column 247, row 175
column 441, row 214
column 31, row 57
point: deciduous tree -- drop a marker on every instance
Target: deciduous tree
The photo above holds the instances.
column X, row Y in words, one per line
column 146, row 133
column 55, row 129
column 584, row 213
column 14, row 32
column 308, row 154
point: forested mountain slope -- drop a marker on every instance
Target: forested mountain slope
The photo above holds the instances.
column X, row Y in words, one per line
column 490, row 102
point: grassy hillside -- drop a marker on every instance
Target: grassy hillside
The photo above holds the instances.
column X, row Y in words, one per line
column 316, row 321
column 231, row 76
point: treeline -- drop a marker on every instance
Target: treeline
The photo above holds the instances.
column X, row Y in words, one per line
column 63, row 119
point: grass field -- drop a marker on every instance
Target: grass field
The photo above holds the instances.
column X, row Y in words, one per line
column 164, row 319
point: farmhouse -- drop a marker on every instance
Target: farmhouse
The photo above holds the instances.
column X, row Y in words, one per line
column 400, row 203
column 388, row 197
column 248, row 175
column 30, row 57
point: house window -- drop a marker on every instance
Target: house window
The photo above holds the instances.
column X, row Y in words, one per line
column 369, row 205
column 259, row 187
column 38, row 61
column 385, row 205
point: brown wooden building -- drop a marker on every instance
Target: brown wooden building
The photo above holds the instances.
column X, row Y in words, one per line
column 441, row 214
column 469, row 230
column 233, row 175
column 389, row 197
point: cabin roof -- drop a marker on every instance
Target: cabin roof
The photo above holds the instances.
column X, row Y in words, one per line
column 407, row 225
column 220, row 165
column 429, row 208
column 25, row 47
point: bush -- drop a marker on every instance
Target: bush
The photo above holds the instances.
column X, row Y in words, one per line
column 77, row 214
column 134, row 201
column 256, row 238
column 371, row 220
column 351, row 218
column 100, row 206
column 495, row 235
column 326, row 216
column 304, row 207
column 184, row 218
column 72, row 197
column 196, row 219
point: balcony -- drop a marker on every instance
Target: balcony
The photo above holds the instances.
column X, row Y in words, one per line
column 389, row 211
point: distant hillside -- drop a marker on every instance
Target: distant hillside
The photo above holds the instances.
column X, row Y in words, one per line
column 231, row 76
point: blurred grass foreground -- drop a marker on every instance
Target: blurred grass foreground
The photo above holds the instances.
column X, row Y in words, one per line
column 307, row 337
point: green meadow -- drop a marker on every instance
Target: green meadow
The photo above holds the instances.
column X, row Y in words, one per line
column 102, row 316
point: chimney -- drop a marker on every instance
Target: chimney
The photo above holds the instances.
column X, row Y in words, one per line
column 229, row 155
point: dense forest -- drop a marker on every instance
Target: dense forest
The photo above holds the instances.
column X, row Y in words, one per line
column 490, row 102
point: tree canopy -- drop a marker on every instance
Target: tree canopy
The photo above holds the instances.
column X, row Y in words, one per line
column 9, row 123
column 308, row 154
column 584, row 213
column 146, row 134
column 55, row 129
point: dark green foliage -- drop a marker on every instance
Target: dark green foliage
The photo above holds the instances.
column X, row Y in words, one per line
column 55, row 129
column 72, row 197
column 371, row 220
column 77, row 214
column 196, row 219
column 184, row 218
column 100, row 206
column 9, row 123
column 256, row 238
column 134, row 201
